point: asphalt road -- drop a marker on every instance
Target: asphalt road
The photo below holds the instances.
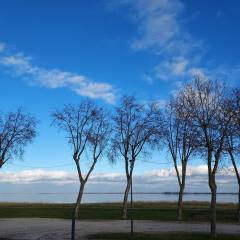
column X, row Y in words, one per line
column 59, row 229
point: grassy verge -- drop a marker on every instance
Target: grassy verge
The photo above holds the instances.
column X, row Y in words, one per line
column 120, row 236
column 154, row 211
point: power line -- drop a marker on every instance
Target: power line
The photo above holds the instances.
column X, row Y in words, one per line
column 71, row 164
column 157, row 163
column 48, row 167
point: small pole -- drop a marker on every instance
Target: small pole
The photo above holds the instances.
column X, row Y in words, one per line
column 131, row 164
column 73, row 225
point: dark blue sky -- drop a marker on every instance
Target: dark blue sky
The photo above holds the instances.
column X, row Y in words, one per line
column 56, row 52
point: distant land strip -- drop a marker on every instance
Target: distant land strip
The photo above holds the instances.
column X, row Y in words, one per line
column 119, row 193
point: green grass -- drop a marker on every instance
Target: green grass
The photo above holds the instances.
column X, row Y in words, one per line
column 148, row 211
column 138, row 236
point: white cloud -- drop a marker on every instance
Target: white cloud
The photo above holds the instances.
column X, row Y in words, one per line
column 223, row 73
column 166, row 173
column 197, row 72
column 19, row 63
column 37, row 176
column 161, row 103
column 148, row 79
column 194, row 173
column 159, row 25
column 107, row 178
column 177, row 67
column 97, row 90
column 22, row 66
column 161, row 29
column 226, row 73
column 2, row 47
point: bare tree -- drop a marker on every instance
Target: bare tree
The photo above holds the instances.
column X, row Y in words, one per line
column 233, row 140
column 17, row 129
column 181, row 142
column 135, row 130
column 205, row 100
column 88, row 130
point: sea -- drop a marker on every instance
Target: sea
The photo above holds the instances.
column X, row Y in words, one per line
column 100, row 197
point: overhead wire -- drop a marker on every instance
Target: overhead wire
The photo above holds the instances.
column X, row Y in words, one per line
column 71, row 164
column 46, row 167
column 157, row 163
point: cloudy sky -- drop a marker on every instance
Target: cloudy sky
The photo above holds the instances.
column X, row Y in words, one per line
column 57, row 52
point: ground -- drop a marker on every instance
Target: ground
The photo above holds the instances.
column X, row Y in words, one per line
column 59, row 229
column 53, row 221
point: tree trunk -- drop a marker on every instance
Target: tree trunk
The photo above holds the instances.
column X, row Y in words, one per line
column 79, row 199
column 238, row 179
column 238, row 211
column 76, row 208
column 213, row 187
column 181, row 191
column 180, row 203
column 125, row 199
column 1, row 161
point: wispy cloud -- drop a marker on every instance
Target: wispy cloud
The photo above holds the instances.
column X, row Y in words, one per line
column 222, row 73
column 160, row 27
column 2, row 46
column 22, row 66
column 161, row 103
column 162, row 30
column 174, row 68
column 148, row 79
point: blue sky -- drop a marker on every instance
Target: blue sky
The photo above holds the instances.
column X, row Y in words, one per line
column 57, row 52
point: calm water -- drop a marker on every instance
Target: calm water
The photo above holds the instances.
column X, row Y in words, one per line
column 108, row 197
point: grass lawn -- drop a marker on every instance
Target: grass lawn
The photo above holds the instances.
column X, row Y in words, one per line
column 156, row 211
column 121, row 236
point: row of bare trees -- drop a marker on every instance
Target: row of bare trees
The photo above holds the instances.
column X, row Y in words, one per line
column 202, row 120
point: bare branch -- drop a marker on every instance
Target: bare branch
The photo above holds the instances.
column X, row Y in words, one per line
column 17, row 129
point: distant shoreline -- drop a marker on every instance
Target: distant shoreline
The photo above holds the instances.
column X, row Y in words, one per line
column 118, row 193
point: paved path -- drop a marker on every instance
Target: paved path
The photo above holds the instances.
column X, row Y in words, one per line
column 59, row 229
